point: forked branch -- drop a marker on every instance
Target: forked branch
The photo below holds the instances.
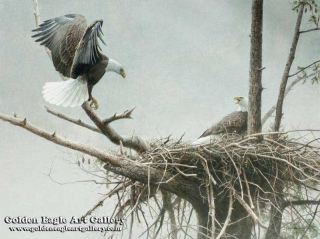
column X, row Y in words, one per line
column 124, row 115
column 133, row 142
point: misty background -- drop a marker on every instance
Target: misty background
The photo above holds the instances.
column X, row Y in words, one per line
column 184, row 60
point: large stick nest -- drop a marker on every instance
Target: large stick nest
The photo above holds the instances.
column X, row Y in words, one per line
column 234, row 158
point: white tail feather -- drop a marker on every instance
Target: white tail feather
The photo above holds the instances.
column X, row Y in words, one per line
column 66, row 93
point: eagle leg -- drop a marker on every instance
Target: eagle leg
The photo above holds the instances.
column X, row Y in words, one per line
column 95, row 103
column 91, row 98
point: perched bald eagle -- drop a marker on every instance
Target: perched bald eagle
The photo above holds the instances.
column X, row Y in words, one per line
column 76, row 54
column 235, row 122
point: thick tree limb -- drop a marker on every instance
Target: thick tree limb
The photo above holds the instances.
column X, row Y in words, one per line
column 167, row 205
column 114, row 160
column 120, row 165
column 133, row 142
column 255, row 85
column 285, row 75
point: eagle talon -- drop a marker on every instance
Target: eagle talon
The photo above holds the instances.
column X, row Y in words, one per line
column 95, row 103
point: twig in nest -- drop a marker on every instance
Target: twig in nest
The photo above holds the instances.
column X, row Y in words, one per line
column 100, row 203
column 228, row 219
column 247, row 208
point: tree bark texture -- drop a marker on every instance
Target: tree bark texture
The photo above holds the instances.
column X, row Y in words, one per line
column 255, row 85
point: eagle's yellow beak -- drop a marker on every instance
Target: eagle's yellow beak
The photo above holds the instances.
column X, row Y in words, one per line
column 123, row 74
column 237, row 99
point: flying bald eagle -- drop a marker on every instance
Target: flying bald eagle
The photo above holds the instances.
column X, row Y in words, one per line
column 76, row 54
column 235, row 122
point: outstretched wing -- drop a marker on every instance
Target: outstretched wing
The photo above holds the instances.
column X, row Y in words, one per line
column 61, row 35
column 88, row 51
column 233, row 122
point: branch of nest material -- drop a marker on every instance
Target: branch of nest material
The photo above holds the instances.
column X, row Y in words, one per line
column 124, row 115
column 228, row 219
column 134, row 142
column 206, row 168
column 168, row 206
column 159, row 218
column 310, row 222
column 73, row 120
column 112, row 192
column 247, row 208
column 248, row 191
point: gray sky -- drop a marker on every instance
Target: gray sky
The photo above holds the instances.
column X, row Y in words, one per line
column 185, row 61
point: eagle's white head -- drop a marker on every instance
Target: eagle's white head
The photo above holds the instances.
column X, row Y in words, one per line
column 115, row 67
column 242, row 102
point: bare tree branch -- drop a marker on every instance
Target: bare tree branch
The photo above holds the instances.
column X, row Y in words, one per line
column 120, row 165
column 287, row 70
column 167, row 205
column 37, row 19
column 228, row 218
column 134, row 142
column 310, row 223
column 289, row 87
column 114, row 160
column 303, row 68
column 247, row 208
column 72, row 120
column 111, row 193
column 124, row 115
column 300, row 202
column 310, row 30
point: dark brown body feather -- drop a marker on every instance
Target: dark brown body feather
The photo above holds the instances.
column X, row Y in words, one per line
column 74, row 47
column 235, row 122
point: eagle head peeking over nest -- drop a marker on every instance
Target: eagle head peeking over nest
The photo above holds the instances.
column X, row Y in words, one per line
column 76, row 54
column 235, row 122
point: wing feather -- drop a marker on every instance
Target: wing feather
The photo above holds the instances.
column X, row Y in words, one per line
column 233, row 122
column 88, row 52
column 61, row 35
